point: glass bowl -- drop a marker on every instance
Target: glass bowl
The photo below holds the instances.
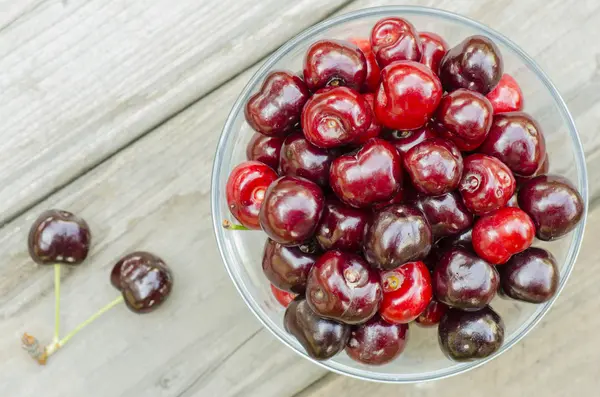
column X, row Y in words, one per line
column 242, row 250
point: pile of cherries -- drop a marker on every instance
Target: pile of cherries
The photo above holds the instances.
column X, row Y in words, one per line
column 399, row 181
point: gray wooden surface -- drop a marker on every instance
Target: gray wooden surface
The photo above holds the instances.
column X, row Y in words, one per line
column 112, row 109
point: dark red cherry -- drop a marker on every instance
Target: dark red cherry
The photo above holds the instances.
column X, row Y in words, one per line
column 375, row 128
column 301, row 158
column 408, row 95
column 245, row 191
column 434, row 166
column 474, row 64
column 404, row 140
column 377, row 342
column 468, row 336
column 373, row 72
column 434, row 49
column 554, row 205
column 320, row 337
column 517, row 140
column 487, row 184
column 506, row 96
column 543, row 170
column 336, row 117
column 530, row 276
column 397, row 234
column 463, row 240
column 463, row 280
column 372, row 174
column 334, row 63
column 341, row 227
column 291, row 210
column 341, row 286
column 432, row 315
column 407, row 292
column 465, row 118
column 283, row 297
column 286, row 267
column 144, row 279
column 59, row 237
column 395, row 39
column 446, row 214
column 501, row 234
column 275, row 109
column 265, row 149
column 399, row 198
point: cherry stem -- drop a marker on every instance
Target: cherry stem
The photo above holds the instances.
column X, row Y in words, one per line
column 56, row 303
column 231, row 226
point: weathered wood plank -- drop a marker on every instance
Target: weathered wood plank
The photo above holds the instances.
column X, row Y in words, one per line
column 81, row 79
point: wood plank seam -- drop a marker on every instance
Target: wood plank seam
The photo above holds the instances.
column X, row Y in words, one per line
column 32, row 8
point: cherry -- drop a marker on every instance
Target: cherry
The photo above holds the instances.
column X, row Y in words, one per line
column 335, row 117
column 291, row 210
column 404, row 140
column 59, row 237
column 397, row 234
column 372, row 174
column 517, row 140
column 463, row 280
column 462, row 240
column 395, row 39
column 530, row 276
column 334, row 63
column 468, row 336
column 399, row 198
column 407, row 292
column 554, row 205
column 320, row 337
column 373, row 72
column 432, row 315
column 487, row 183
column 434, row 166
column 265, row 149
column 277, row 106
column 144, row 279
column 377, row 342
column 446, row 214
column 474, row 64
column 341, row 227
column 506, row 96
column 434, row 49
column 543, row 170
column 341, row 286
column 408, row 95
column 501, row 234
column 375, row 128
column 300, row 158
column 245, row 191
column 283, row 297
column 465, row 118
column 287, row 267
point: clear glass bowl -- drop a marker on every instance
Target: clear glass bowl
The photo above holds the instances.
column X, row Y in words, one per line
column 242, row 251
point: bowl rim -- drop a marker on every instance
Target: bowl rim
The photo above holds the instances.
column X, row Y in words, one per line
column 582, row 181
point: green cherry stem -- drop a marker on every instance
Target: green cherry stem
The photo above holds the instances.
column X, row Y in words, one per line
column 56, row 303
column 231, row 226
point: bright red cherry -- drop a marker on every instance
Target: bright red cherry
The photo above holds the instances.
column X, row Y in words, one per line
column 487, row 184
column 517, row 140
column 433, row 314
column 334, row 63
column 283, row 297
column 301, row 158
column 434, row 166
column 465, row 118
column 434, row 49
column 506, row 96
column 245, row 191
column 501, row 234
column 264, row 149
column 275, row 109
column 291, row 210
column 375, row 128
column 395, row 39
column 404, row 140
column 407, row 292
column 377, row 342
column 373, row 72
column 408, row 95
column 336, row 117
column 372, row 174
column 287, row 267
column 341, row 227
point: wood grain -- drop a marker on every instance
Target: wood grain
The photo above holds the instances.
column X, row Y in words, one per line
column 81, row 79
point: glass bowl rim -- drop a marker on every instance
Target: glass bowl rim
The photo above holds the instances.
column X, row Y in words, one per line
column 216, row 190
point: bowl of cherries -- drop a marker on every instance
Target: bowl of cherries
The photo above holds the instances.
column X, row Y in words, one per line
column 399, row 194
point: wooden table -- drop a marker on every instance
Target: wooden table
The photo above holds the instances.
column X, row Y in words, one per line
column 112, row 109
